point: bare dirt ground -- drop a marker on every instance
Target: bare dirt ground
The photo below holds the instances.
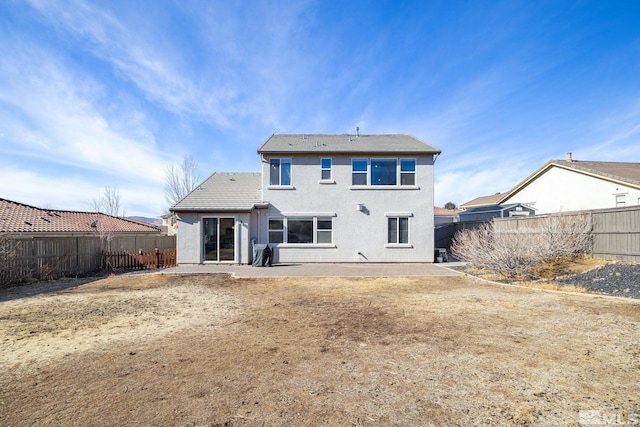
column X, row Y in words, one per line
column 208, row 350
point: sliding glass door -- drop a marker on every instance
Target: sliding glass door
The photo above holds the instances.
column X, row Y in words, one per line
column 219, row 239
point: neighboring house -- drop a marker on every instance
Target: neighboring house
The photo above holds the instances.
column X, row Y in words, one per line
column 20, row 220
column 500, row 211
column 445, row 216
column 319, row 198
column 169, row 224
column 572, row 185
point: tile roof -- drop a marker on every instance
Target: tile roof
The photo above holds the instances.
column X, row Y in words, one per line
column 20, row 218
column 224, row 191
column 344, row 143
column 443, row 211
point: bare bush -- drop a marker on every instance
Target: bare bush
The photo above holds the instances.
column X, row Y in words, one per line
column 563, row 236
column 516, row 251
column 506, row 253
column 8, row 249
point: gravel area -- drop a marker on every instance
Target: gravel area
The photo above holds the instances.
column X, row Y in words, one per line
column 621, row 279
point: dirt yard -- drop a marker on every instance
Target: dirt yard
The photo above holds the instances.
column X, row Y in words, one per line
column 208, row 350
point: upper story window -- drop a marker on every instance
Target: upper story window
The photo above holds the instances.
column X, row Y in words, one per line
column 620, row 200
column 407, row 172
column 325, row 169
column 280, row 172
column 359, row 172
column 383, row 172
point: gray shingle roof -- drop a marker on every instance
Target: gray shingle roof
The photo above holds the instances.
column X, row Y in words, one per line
column 343, row 143
column 491, row 200
column 223, row 191
column 628, row 173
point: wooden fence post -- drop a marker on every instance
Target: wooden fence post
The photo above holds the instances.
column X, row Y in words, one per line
column 157, row 258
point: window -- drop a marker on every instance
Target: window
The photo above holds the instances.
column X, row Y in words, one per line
column 384, row 172
column 620, row 200
column 325, row 169
column 280, row 172
column 301, row 230
column 276, row 230
column 407, row 172
column 324, row 230
column 398, row 230
column 359, row 172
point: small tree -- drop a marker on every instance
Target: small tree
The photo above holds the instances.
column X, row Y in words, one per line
column 180, row 180
column 109, row 203
column 450, row 206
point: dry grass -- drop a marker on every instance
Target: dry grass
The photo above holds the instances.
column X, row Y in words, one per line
column 545, row 274
column 211, row 351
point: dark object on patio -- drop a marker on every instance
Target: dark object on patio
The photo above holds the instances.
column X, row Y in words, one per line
column 261, row 254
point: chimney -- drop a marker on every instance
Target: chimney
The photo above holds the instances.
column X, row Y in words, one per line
column 569, row 158
column 357, row 130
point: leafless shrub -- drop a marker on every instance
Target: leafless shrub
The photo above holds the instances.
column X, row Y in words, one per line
column 562, row 236
column 517, row 251
column 8, row 249
column 483, row 247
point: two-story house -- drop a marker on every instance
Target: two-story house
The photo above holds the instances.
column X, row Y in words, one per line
column 319, row 198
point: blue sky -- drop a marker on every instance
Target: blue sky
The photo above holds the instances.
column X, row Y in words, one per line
column 96, row 94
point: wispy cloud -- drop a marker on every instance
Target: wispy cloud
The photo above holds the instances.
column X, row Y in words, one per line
column 55, row 113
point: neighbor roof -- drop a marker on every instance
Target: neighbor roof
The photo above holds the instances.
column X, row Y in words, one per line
column 224, row 191
column 494, row 208
column 344, row 143
column 20, row 218
column 619, row 172
column 445, row 212
column 491, row 200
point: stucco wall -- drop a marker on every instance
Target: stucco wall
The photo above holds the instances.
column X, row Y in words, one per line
column 354, row 231
column 190, row 239
column 561, row 190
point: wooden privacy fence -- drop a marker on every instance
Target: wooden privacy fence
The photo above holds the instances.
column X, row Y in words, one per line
column 53, row 257
column 615, row 232
column 140, row 260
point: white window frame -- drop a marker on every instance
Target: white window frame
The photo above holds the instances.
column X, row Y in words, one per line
column 316, row 231
column 275, row 230
column 365, row 172
column 280, row 162
column 395, row 172
column 323, row 169
column 398, row 216
column 399, row 174
column 621, row 200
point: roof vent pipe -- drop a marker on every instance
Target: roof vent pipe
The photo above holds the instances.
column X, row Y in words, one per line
column 569, row 158
column 357, row 130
